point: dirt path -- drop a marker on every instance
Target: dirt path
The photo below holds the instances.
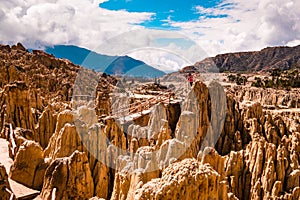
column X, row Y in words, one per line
column 20, row 191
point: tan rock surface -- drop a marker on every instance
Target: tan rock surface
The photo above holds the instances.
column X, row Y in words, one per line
column 46, row 126
column 19, row 190
column 64, row 143
column 18, row 106
column 28, row 159
column 187, row 179
column 268, row 97
column 103, row 101
column 71, row 176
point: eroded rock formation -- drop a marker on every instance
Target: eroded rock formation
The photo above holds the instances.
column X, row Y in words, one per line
column 188, row 179
column 69, row 178
column 27, row 165
column 237, row 143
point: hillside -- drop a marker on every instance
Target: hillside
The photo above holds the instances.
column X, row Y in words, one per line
column 132, row 67
column 104, row 63
column 265, row 60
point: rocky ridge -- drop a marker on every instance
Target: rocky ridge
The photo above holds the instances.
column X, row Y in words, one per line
column 265, row 60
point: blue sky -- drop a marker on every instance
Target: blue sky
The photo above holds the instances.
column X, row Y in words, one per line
column 164, row 10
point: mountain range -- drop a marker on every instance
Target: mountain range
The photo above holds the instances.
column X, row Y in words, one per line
column 267, row 59
column 114, row 65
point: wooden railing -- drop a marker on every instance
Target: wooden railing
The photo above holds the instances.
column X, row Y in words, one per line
column 136, row 107
column 139, row 107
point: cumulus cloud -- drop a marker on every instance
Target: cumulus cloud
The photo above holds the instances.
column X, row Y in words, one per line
column 238, row 25
column 233, row 25
column 48, row 22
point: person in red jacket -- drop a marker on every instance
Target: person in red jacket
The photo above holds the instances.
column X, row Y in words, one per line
column 190, row 79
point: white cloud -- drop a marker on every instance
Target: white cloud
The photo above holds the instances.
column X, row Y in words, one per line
column 161, row 59
column 293, row 43
column 249, row 25
column 78, row 22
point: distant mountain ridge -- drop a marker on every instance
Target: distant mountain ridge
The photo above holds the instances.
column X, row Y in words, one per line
column 265, row 60
column 114, row 65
